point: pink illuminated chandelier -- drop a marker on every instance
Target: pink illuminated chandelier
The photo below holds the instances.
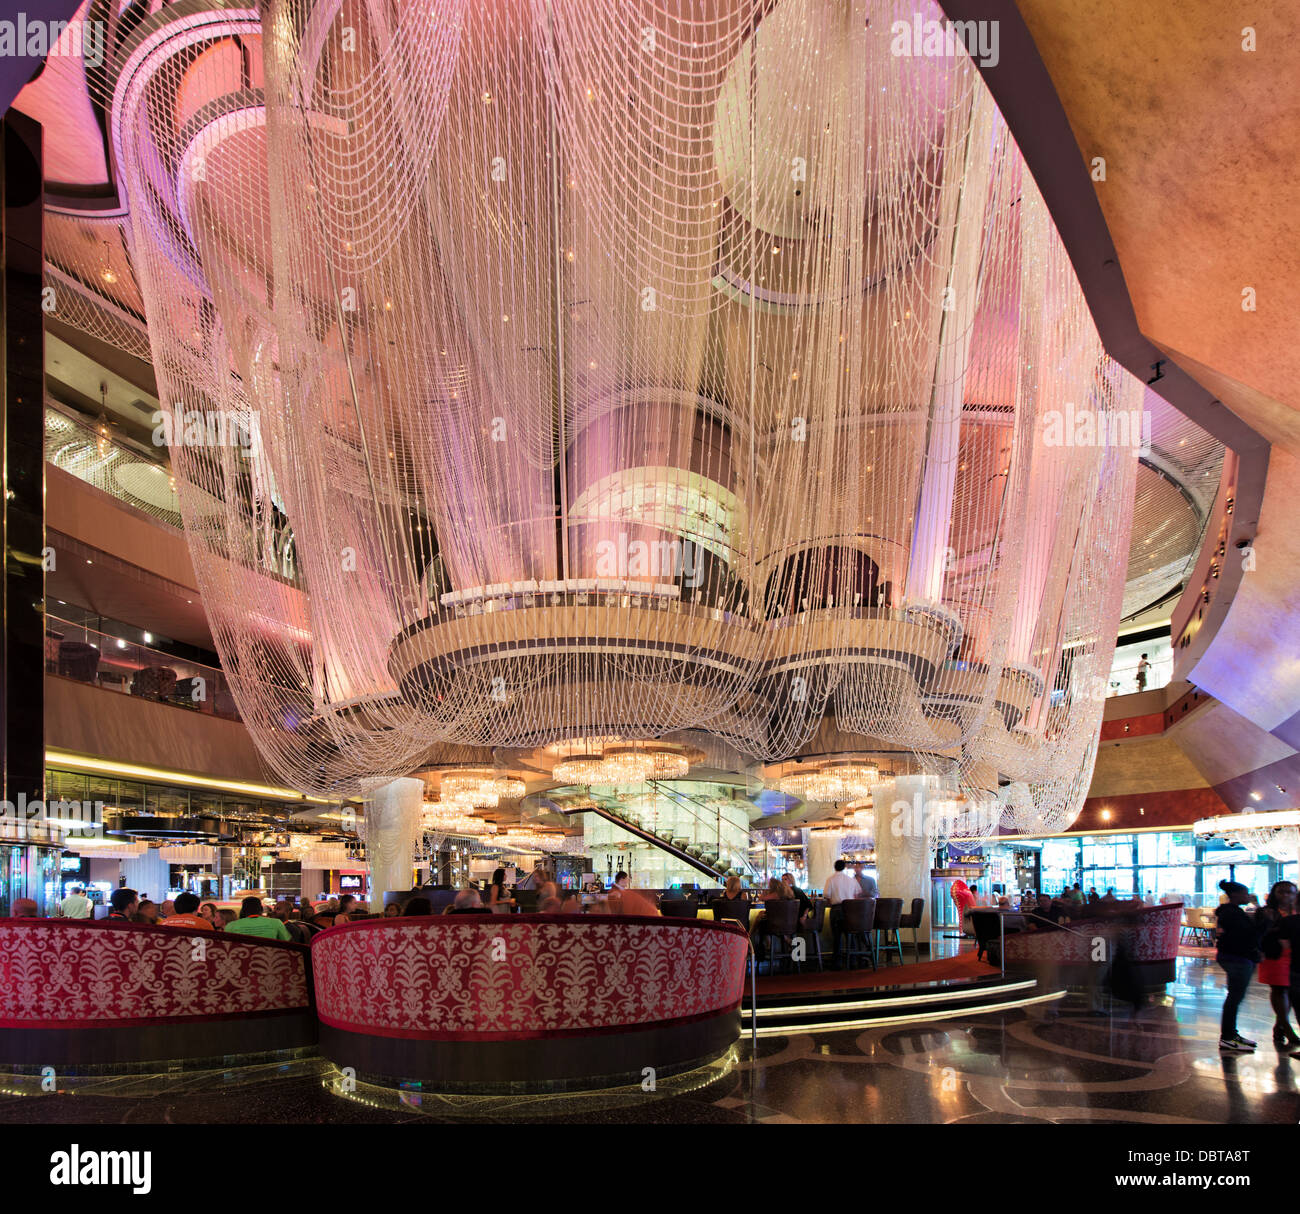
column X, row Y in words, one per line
column 623, row 368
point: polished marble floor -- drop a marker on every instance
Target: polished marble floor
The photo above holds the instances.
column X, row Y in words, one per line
column 1053, row 1062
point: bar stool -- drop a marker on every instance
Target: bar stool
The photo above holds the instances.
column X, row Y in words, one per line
column 813, row 932
column 859, row 916
column 781, row 926
column 913, row 920
column 737, row 912
column 889, row 913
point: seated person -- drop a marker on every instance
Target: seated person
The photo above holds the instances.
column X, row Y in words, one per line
column 146, row 912
column 392, row 911
column 415, row 907
column 1043, row 918
column 776, row 891
column 186, row 914
column 254, row 921
column 805, row 902
column 734, row 891
column 467, row 902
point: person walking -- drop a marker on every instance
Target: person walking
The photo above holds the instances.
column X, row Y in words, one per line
column 1278, row 968
column 1238, row 951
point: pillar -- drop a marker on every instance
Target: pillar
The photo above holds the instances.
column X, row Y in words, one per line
column 22, row 439
column 823, row 851
column 903, row 852
column 392, row 826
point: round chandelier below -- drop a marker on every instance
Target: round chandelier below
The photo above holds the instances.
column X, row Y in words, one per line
column 839, row 781
column 449, row 818
column 478, row 789
column 622, row 763
column 1273, row 833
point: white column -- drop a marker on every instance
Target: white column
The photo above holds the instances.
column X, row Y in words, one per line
column 902, row 843
column 392, row 825
column 823, row 851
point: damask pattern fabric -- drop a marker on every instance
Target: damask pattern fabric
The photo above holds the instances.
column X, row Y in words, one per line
column 1153, row 938
column 541, row 975
column 56, row 975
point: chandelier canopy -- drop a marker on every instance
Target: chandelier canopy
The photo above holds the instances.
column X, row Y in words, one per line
column 623, row 368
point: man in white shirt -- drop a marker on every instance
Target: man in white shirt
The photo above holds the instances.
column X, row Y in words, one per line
column 76, row 905
column 840, row 887
column 866, row 883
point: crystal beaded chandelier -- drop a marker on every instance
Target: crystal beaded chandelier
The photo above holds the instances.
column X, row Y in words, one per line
column 623, row 368
column 478, row 789
column 831, row 781
column 621, row 764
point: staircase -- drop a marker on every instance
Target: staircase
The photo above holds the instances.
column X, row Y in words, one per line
column 702, row 857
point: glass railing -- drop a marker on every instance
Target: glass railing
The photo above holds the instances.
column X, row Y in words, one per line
column 112, row 467
column 1126, row 678
column 82, row 653
column 134, row 478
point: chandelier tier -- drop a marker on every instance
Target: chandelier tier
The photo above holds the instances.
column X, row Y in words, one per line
column 836, row 780
column 623, row 368
column 621, row 763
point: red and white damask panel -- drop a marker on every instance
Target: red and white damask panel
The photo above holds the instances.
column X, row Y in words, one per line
column 60, row 974
column 467, row 977
column 1153, row 938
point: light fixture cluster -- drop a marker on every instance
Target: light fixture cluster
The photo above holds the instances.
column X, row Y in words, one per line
column 1273, row 833
column 450, row 818
column 525, row 839
column 622, row 763
column 861, row 818
column 478, row 789
column 835, row 781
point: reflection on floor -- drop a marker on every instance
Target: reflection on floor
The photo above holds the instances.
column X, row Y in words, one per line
column 1056, row 1062
column 943, row 969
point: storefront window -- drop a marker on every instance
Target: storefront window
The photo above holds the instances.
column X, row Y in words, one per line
column 1060, row 864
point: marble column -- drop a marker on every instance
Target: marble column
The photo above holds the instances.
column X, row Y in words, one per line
column 903, row 854
column 392, row 827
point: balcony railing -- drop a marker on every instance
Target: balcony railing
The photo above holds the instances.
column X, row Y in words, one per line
column 82, row 653
column 96, row 457
column 92, row 454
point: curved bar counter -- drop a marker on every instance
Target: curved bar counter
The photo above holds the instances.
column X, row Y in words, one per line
column 77, row 994
column 460, row 1002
